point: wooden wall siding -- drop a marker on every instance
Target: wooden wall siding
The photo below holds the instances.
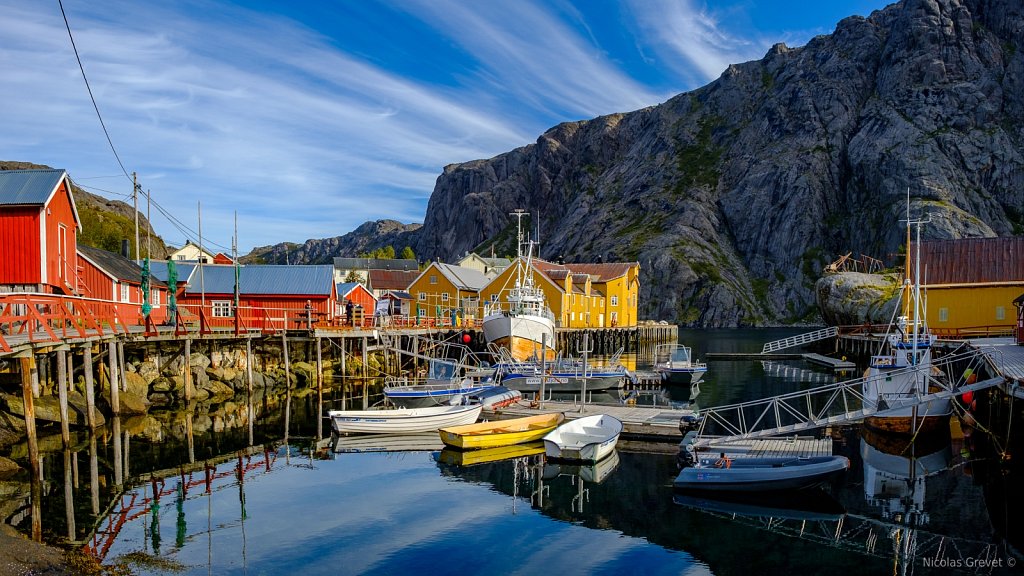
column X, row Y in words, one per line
column 61, row 274
column 95, row 283
column 971, row 260
column 19, row 245
column 968, row 307
column 263, row 312
column 360, row 297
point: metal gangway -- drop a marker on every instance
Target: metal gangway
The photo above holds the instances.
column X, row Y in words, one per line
column 800, row 339
column 844, row 402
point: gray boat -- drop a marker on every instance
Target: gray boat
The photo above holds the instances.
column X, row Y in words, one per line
column 778, row 473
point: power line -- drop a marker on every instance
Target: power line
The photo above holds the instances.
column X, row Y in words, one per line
column 89, row 88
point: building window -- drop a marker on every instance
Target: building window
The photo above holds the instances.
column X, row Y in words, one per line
column 422, row 312
column 444, row 296
column 494, row 297
column 615, row 300
column 125, row 294
column 943, row 314
column 433, row 279
column 1000, row 313
column 181, row 256
column 423, row 296
column 222, row 308
column 154, row 298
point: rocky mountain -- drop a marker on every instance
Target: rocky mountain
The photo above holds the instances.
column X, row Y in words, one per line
column 368, row 237
column 105, row 223
column 734, row 196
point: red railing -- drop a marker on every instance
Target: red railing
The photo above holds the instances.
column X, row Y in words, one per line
column 51, row 318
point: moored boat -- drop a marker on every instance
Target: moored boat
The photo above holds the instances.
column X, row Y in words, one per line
column 442, row 384
column 500, row 432
column 767, row 474
column 494, row 397
column 402, row 420
column 488, row 455
column 676, row 365
column 589, row 439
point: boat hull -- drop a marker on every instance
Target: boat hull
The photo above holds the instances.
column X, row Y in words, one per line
column 485, row 456
column 402, row 420
column 763, row 474
column 904, row 425
column 500, row 432
column 523, row 336
column 562, row 382
column 682, row 376
column 426, row 395
column 588, row 439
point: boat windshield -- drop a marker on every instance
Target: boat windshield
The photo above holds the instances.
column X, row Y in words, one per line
column 681, row 354
column 442, row 370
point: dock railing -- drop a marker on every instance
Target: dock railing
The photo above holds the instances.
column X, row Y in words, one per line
column 800, row 339
column 844, row 401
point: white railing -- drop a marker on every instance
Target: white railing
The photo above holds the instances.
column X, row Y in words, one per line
column 800, row 339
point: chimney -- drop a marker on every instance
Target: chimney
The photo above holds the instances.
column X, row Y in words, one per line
column 125, row 249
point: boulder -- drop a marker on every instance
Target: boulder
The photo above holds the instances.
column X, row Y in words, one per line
column 8, row 468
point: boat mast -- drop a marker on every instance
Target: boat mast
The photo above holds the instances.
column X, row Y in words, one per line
column 519, row 213
column 906, row 266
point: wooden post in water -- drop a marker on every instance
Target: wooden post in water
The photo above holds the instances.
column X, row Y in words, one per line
column 543, row 368
column 94, row 474
column 250, row 409
column 123, row 381
column 319, row 390
column 115, row 399
column 62, row 396
column 118, row 454
column 287, row 381
column 69, row 494
column 34, row 375
column 90, row 393
column 71, row 369
column 33, row 446
column 365, row 386
column 189, row 392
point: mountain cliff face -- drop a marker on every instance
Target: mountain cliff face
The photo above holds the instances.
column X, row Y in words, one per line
column 368, row 237
column 733, row 197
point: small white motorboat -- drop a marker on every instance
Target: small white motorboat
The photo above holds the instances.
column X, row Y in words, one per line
column 588, row 439
column 764, row 474
column 402, row 420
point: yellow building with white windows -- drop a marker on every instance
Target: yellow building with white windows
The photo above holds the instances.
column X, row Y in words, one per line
column 447, row 295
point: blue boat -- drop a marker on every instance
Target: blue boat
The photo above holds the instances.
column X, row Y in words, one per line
column 768, row 474
column 444, row 384
column 676, row 365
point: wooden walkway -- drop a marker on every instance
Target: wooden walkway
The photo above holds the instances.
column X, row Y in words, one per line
column 796, row 446
column 829, row 362
column 1008, row 358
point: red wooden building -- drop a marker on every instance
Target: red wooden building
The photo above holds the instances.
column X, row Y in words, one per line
column 112, row 277
column 39, row 228
column 269, row 296
column 361, row 298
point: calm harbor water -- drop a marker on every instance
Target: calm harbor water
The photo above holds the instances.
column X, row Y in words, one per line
column 288, row 503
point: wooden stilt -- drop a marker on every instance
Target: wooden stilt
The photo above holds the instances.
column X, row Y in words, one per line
column 118, row 454
column 248, row 387
column 90, row 393
column 34, row 375
column 189, row 392
column 115, row 398
column 319, row 390
column 62, row 396
column 33, row 446
column 94, row 474
column 121, row 372
column 69, row 494
column 288, row 384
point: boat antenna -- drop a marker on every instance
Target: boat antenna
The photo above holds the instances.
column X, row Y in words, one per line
column 906, row 265
column 518, row 213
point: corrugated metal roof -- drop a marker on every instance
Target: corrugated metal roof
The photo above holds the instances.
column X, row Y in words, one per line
column 972, row 260
column 345, row 287
column 376, row 264
column 463, row 278
column 28, row 187
column 118, row 266
column 392, row 279
column 314, row 280
column 158, row 269
column 604, row 272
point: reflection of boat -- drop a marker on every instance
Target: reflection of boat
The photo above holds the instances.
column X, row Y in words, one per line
column 904, row 371
column 561, row 377
column 806, row 505
column 386, row 443
column 443, row 383
column 590, row 438
column 525, row 323
column 764, row 474
column 472, row 457
column 676, row 365
column 594, row 472
column 896, row 482
column 500, row 432
column 402, row 420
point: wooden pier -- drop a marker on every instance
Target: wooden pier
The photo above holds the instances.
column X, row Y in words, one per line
column 796, row 446
column 638, row 422
column 835, row 364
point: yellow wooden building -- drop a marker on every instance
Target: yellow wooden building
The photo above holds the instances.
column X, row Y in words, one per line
column 579, row 295
column 970, row 284
column 447, row 294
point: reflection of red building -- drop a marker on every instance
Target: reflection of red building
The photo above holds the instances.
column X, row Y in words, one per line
column 107, row 276
column 39, row 227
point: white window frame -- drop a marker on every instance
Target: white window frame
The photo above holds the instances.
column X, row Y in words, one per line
column 943, row 314
column 422, row 297
column 444, row 296
column 221, row 309
column 154, row 298
column 615, row 300
column 1000, row 313
column 433, row 278
column 126, row 295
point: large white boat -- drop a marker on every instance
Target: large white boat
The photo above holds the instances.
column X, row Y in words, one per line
column 402, row 420
column 904, row 370
column 523, row 323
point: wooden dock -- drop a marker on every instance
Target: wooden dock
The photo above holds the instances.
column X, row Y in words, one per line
column 638, row 422
column 1008, row 359
column 834, row 363
column 797, row 446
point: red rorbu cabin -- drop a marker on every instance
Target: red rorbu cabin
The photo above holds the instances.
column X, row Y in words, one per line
column 114, row 278
column 39, row 227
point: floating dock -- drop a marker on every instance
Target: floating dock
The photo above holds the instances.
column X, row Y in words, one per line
column 829, row 362
column 796, row 446
column 638, row 422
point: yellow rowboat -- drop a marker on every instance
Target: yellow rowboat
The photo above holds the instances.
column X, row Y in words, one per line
column 488, row 455
column 500, row 432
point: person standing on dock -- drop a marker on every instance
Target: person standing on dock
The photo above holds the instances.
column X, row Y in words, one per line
column 348, row 312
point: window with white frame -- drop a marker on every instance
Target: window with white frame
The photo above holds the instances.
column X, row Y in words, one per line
column 422, row 312
column 125, row 294
column 221, row 308
column 433, row 279
column 423, row 296
column 1000, row 313
column 494, row 297
column 615, row 300
column 943, row 314
column 444, row 296
column 154, row 298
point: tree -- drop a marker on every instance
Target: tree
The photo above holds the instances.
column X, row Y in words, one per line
column 407, row 254
column 353, row 276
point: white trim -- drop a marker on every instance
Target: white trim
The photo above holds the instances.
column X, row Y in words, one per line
column 43, row 277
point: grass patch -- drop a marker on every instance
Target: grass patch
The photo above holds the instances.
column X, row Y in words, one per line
column 698, row 163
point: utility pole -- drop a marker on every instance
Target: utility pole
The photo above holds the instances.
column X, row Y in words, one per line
column 135, row 199
column 149, row 230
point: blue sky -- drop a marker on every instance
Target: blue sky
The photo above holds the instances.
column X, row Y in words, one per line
column 310, row 118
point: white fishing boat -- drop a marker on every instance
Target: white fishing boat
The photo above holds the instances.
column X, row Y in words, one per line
column 589, row 439
column 903, row 370
column 402, row 420
column 523, row 323
column 676, row 365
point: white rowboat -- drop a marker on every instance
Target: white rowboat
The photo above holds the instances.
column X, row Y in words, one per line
column 402, row 420
column 588, row 439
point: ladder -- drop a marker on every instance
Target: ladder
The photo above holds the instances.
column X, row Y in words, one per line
column 839, row 403
column 800, row 339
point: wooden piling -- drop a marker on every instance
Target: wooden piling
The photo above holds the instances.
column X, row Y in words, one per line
column 319, row 390
column 62, row 396
column 90, row 393
column 287, row 383
column 118, row 454
column 34, row 377
column 115, row 398
column 69, row 495
column 189, row 392
column 94, row 474
column 250, row 409
column 123, row 381
column 33, row 446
